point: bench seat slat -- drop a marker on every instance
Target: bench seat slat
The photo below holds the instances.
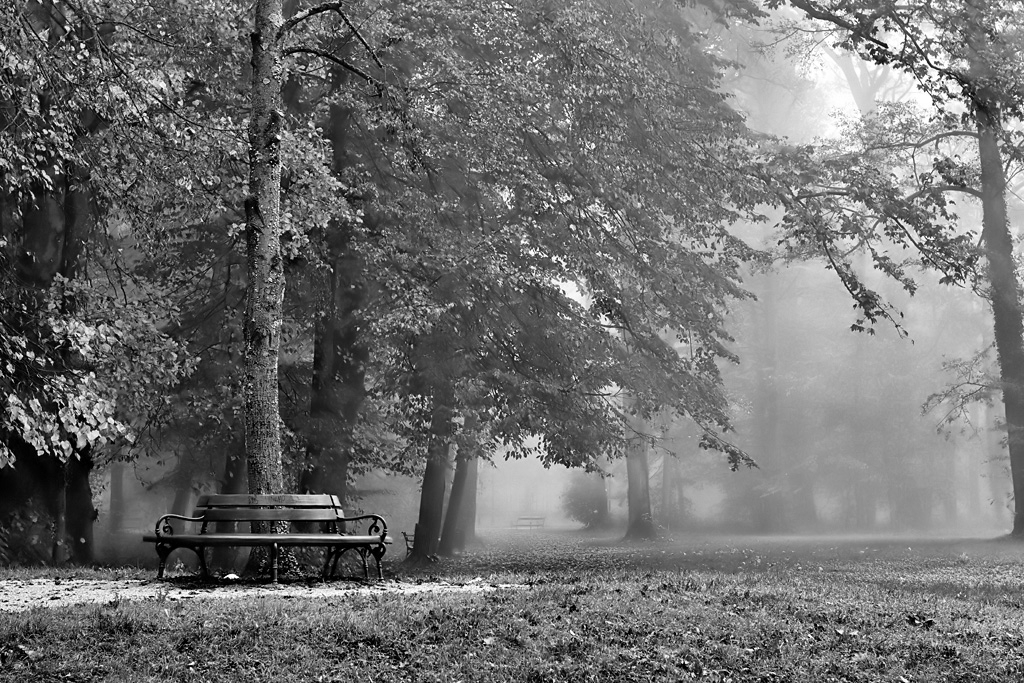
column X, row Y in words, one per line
column 255, row 540
column 251, row 500
column 267, row 514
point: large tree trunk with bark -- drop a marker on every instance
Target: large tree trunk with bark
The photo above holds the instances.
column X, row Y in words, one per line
column 265, row 292
column 1005, row 295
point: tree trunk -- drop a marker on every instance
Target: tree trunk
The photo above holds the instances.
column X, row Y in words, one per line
column 460, row 518
column 81, row 514
column 1005, row 294
column 454, row 533
column 265, row 291
column 339, row 359
column 78, row 224
column 428, row 528
column 339, row 363
column 996, row 467
column 668, row 506
column 118, row 508
column 638, row 475
column 468, row 526
column 58, row 552
column 182, row 504
column 865, row 505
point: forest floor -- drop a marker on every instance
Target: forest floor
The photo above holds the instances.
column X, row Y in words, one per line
column 549, row 606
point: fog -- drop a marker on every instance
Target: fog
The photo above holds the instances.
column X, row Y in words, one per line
column 839, row 424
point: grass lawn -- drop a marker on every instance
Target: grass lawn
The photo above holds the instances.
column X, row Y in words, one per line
column 582, row 609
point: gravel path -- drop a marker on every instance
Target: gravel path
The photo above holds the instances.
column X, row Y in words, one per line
column 18, row 595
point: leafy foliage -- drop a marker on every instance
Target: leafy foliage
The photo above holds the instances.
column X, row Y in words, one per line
column 883, row 189
column 535, row 132
column 534, row 199
column 86, row 358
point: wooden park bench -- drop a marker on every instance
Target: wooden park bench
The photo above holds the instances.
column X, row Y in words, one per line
column 529, row 523
column 322, row 521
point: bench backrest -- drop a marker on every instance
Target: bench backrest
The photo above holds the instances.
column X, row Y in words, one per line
column 243, row 507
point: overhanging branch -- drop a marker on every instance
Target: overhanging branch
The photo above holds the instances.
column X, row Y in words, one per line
column 305, row 14
column 343, row 63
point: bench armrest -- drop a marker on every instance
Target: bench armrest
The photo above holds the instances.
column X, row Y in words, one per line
column 164, row 528
column 377, row 526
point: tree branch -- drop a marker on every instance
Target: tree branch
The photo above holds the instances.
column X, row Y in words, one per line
column 947, row 134
column 345, row 64
column 306, row 14
column 337, row 7
column 366, row 45
column 945, row 188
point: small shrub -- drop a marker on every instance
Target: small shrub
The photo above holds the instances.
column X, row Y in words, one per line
column 586, row 501
column 25, row 537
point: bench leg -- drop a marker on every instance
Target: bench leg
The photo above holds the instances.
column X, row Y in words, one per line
column 326, row 573
column 201, row 554
column 162, row 550
column 337, row 556
column 378, row 554
column 273, row 562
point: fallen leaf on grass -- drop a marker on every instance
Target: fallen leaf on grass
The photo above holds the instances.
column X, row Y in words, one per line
column 918, row 620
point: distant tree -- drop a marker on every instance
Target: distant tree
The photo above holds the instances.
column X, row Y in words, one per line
column 460, row 516
column 516, row 183
column 961, row 54
column 640, row 519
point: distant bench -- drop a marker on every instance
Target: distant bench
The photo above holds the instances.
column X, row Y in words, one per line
column 529, row 523
column 323, row 525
